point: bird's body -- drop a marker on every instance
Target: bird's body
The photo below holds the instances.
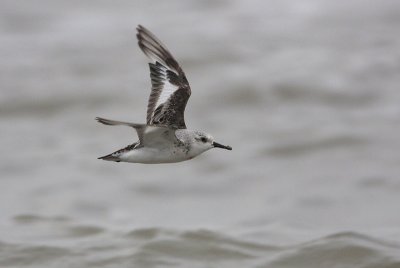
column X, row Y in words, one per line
column 164, row 151
column 164, row 138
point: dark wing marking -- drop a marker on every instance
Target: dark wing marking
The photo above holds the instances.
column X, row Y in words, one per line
column 170, row 88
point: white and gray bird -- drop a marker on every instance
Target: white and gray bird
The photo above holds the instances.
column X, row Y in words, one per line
column 164, row 138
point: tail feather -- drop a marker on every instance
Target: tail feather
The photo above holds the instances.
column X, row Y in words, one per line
column 115, row 156
column 110, row 157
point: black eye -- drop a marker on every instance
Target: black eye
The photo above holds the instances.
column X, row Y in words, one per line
column 203, row 139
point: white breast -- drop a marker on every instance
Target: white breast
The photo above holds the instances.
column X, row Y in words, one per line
column 148, row 155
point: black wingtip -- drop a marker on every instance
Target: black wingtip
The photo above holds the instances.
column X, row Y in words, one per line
column 140, row 31
column 109, row 157
column 103, row 121
column 139, row 26
column 103, row 157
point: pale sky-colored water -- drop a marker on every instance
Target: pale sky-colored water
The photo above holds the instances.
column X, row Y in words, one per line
column 305, row 92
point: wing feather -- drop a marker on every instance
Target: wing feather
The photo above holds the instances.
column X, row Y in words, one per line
column 149, row 136
column 170, row 88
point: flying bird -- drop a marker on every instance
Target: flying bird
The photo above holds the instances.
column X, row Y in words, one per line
column 164, row 138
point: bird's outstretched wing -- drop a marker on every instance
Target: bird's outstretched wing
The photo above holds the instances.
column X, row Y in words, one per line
column 150, row 136
column 170, row 89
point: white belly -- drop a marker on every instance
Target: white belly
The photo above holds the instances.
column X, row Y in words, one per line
column 146, row 155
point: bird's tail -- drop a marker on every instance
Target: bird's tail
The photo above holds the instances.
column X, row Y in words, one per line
column 115, row 156
column 110, row 157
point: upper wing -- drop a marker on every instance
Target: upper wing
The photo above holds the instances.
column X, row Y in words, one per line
column 170, row 89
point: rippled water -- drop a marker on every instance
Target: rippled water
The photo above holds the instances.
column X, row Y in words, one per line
column 306, row 93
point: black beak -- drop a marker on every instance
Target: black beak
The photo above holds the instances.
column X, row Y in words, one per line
column 216, row 144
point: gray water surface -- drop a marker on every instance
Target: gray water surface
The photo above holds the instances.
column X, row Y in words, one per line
column 306, row 93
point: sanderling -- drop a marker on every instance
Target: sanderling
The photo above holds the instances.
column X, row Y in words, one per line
column 164, row 138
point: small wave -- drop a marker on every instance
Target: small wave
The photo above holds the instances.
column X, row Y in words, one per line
column 160, row 247
column 33, row 218
column 58, row 226
column 84, row 230
column 317, row 144
column 18, row 255
column 326, row 96
column 346, row 249
column 50, row 106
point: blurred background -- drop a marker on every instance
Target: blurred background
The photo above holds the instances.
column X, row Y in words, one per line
column 306, row 92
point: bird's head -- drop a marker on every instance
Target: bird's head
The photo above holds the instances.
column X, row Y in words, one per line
column 203, row 142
